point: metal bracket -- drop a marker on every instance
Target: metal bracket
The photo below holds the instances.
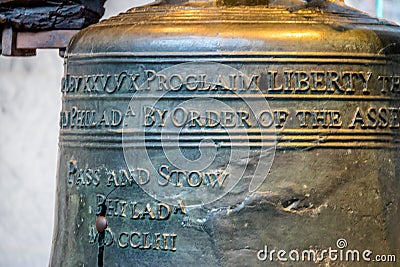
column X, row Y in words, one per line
column 14, row 43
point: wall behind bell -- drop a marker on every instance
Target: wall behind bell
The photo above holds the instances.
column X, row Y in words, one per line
column 389, row 8
column 29, row 107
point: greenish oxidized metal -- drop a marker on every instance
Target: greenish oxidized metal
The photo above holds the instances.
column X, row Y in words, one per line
column 299, row 103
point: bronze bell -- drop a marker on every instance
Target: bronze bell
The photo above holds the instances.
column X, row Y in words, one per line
column 230, row 133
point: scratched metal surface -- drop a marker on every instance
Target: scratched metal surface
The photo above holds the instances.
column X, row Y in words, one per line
column 28, row 157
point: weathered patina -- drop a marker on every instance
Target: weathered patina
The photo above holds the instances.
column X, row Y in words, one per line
column 308, row 93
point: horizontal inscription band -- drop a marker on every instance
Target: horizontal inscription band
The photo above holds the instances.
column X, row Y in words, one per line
column 234, row 139
column 230, row 56
column 279, row 145
column 172, row 96
column 283, row 139
column 236, row 53
column 325, row 132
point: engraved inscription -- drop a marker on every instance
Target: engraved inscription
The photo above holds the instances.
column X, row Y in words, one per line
column 181, row 117
column 372, row 117
column 91, row 118
column 136, row 240
column 119, row 209
column 166, row 176
column 193, row 178
column 376, row 118
column 84, row 177
column 319, row 118
column 112, row 178
column 109, row 84
column 346, row 82
column 269, row 81
column 122, row 178
column 146, row 240
column 137, row 210
column 390, row 84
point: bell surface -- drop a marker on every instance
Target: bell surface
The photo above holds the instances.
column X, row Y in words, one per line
column 230, row 133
